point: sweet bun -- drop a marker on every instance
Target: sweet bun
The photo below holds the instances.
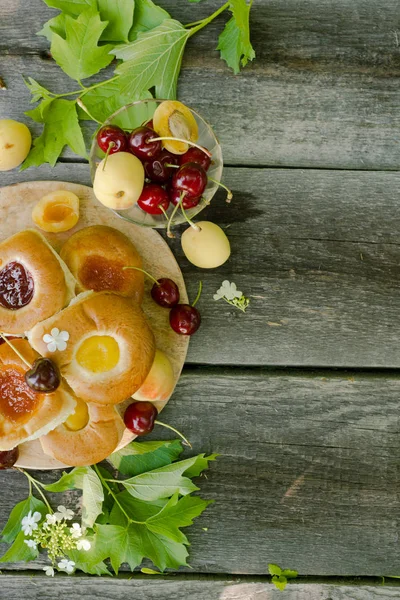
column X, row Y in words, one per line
column 89, row 445
column 110, row 348
column 96, row 257
column 34, row 282
column 24, row 414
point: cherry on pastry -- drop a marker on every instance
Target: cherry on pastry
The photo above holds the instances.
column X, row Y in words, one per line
column 111, row 139
column 195, row 155
column 8, row 458
column 142, row 144
column 154, row 199
column 44, row 376
column 140, row 418
column 164, row 292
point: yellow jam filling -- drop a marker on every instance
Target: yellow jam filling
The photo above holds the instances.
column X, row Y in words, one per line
column 98, row 354
column 80, row 418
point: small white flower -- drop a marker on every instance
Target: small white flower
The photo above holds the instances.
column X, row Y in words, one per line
column 76, row 531
column 66, row 565
column 64, row 513
column 83, row 545
column 228, row 290
column 29, row 523
column 50, row 520
column 56, row 340
column 31, row 543
column 49, row 571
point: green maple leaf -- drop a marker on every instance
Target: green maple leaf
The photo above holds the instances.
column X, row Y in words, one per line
column 153, row 60
column 139, row 457
column 19, row 551
column 38, row 91
column 119, row 15
column 279, row 581
column 147, row 16
column 79, row 54
column 234, row 42
column 61, row 128
column 138, row 509
column 71, row 7
column 54, row 25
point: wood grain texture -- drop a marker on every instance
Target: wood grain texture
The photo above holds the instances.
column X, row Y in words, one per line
column 307, row 475
column 177, row 589
column 323, row 91
column 318, row 252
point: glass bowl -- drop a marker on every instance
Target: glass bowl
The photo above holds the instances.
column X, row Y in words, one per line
column 135, row 114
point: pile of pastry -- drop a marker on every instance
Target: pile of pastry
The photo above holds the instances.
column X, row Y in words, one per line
column 75, row 342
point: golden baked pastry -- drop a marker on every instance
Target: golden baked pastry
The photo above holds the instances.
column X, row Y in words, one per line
column 24, row 414
column 96, row 257
column 89, row 444
column 109, row 350
column 34, row 282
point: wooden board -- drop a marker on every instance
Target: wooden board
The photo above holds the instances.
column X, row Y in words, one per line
column 16, row 203
column 307, row 475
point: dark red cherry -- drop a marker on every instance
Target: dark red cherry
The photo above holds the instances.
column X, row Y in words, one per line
column 44, row 376
column 188, row 201
column 140, row 416
column 8, row 458
column 114, row 136
column 184, row 319
column 152, row 197
column 157, row 169
column 190, row 178
column 149, row 124
column 140, row 145
column 195, row 155
column 165, row 292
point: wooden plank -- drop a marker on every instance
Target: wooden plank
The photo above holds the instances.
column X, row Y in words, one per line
column 323, row 91
column 176, row 589
column 317, row 252
column 307, row 475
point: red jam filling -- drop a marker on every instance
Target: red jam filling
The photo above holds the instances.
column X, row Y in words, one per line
column 16, row 286
column 98, row 273
column 17, row 400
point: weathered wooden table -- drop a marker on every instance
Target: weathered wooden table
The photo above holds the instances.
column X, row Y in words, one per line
column 300, row 395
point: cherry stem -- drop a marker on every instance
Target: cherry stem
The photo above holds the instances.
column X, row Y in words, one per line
column 164, row 212
column 195, row 227
column 178, row 204
column 175, row 431
column 172, row 166
column 198, row 293
column 175, row 139
column 17, row 352
column 110, row 146
column 230, row 194
column 142, row 271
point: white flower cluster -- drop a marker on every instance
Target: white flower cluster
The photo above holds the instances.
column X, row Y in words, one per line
column 229, row 292
column 56, row 535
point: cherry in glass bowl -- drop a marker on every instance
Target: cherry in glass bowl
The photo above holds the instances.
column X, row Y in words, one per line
column 135, row 114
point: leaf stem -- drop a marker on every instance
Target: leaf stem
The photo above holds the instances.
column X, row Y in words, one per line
column 33, row 481
column 86, row 110
column 108, row 488
column 81, row 92
column 207, row 20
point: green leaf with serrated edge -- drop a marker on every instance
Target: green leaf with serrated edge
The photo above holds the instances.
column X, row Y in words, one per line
column 147, row 16
column 163, row 482
column 61, row 128
column 54, row 25
column 175, row 514
column 137, row 509
column 120, row 19
column 104, row 101
column 71, row 7
column 153, row 59
column 150, row 571
column 80, row 558
column 92, row 498
column 274, row 569
column 139, row 457
column 20, row 510
column 289, row 573
column 234, row 42
column 200, row 465
column 19, row 551
column 68, row 481
column 108, row 502
column 38, row 91
column 280, row 582
column 79, row 54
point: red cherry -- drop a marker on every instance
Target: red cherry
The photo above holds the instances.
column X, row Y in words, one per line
column 112, row 134
column 165, row 292
column 152, row 197
column 187, row 201
column 8, row 458
column 43, row 376
column 195, row 155
column 139, row 417
column 190, row 178
column 156, row 169
column 140, row 145
column 184, row 319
